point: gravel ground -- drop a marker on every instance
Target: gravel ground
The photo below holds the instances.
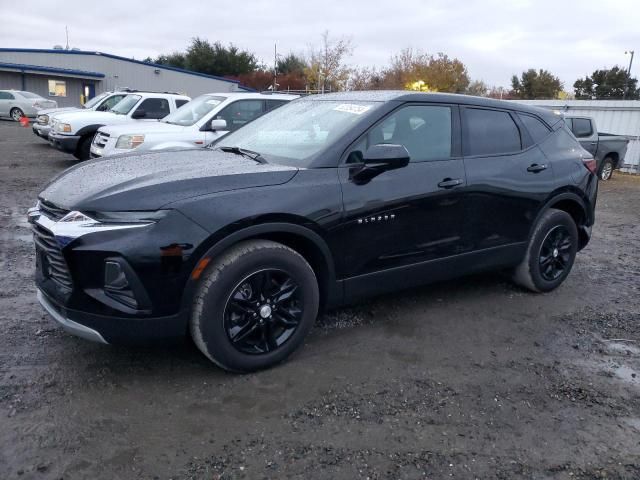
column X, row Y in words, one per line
column 473, row 378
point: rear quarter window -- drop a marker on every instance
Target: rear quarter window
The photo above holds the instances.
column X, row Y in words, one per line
column 536, row 128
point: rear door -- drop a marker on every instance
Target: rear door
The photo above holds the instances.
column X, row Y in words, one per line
column 406, row 217
column 508, row 178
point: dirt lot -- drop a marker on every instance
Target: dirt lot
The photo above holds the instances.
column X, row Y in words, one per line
column 469, row 379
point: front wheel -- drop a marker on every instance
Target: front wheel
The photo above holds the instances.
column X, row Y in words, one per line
column 83, row 150
column 16, row 114
column 606, row 169
column 254, row 306
column 550, row 254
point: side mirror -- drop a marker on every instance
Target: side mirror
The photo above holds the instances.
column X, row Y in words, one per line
column 218, row 124
column 139, row 113
column 380, row 158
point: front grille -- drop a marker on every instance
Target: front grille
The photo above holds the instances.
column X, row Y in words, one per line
column 52, row 261
column 101, row 139
column 51, row 211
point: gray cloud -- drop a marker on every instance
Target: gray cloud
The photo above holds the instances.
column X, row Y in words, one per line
column 495, row 39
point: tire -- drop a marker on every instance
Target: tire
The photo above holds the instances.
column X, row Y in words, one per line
column 16, row 114
column 231, row 323
column 551, row 252
column 606, row 169
column 83, row 151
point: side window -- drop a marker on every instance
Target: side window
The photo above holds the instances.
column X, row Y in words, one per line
column 490, row 132
column 272, row 104
column 535, row 127
column 180, row 102
column 582, row 127
column 240, row 112
column 155, row 107
column 424, row 130
column 6, row 96
column 110, row 102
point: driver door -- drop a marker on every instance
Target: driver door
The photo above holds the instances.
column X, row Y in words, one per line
column 236, row 115
column 400, row 225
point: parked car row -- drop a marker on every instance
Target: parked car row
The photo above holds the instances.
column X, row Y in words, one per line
column 119, row 122
column 317, row 203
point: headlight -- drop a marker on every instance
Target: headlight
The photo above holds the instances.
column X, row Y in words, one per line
column 43, row 119
column 63, row 127
column 129, row 141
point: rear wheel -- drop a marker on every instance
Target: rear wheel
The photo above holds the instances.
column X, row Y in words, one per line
column 606, row 169
column 255, row 306
column 16, row 114
column 550, row 254
column 83, row 150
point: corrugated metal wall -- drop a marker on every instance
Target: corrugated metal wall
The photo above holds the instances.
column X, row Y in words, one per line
column 621, row 117
column 121, row 73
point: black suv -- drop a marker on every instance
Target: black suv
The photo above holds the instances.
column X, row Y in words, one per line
column 325, row 200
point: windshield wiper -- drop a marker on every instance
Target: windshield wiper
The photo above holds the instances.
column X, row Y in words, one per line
column 245, row 153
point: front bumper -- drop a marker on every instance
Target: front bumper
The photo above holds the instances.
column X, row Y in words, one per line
column 41, row 131
column 74, row 328
column 64, row 143
column 108, row 329
column 156, row 259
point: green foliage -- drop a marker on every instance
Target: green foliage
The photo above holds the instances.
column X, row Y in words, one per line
column 534, row 84
column 213, row 59
column 607, row 83
column 292, row 63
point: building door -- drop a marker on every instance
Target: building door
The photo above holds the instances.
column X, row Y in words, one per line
column 88, row 91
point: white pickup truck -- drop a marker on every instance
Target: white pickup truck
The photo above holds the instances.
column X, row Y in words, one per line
column 100, row 103
column 73, row 132
column 196, row 124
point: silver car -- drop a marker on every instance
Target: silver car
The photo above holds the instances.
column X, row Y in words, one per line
column 17, row 104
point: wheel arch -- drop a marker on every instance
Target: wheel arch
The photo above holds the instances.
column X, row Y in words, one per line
column 572, row 204
column 300, row 238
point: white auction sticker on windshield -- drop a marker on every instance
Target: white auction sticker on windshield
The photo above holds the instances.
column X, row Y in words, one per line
column 352, row 108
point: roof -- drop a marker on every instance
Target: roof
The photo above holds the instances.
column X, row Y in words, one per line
column 117, row 57
column 261, row 95
column 39, row 68
column 409, row 96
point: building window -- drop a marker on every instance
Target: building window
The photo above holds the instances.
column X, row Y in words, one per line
column 57, row 88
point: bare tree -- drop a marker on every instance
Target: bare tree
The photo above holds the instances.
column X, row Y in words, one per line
column 327, row 69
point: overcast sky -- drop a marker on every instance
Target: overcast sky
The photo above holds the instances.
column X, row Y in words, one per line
column 495, row 39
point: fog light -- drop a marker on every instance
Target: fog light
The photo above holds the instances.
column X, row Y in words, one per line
column 116, row 284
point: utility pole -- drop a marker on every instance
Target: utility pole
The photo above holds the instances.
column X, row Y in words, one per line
column 626, row 86
column 66, row 29
column 275, row 66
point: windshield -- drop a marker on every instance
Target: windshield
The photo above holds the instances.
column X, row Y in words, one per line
column 191, row 112
column 29, row 95
column 95, row 100
column 125, row 105
column 294, row 133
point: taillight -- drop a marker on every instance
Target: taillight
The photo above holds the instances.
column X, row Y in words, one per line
column 590, row 163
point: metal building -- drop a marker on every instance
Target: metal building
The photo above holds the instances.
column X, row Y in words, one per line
column 73, row 76
column 620, row 117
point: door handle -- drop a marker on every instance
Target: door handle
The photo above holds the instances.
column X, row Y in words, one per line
column 593, row 143
column 450, row 183
column 535, row 168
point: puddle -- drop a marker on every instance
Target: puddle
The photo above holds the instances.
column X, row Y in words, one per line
column 627, row 374
column 622, row 348
column 633, row 421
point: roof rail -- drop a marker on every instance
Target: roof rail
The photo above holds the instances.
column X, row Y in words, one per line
column 134, row 90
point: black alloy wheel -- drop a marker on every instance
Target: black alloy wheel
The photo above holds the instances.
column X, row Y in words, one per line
column 263, row 311
column 555, row 253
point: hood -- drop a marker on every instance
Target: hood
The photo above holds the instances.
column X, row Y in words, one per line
column 135, row 128
column 90, row 117
column 51, row 111
column 152, row 180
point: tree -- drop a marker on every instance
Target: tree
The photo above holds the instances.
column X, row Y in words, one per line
column 292, row 63
column 439, row 72
column 326, row 68
column 175, row 59
column 534, row 84
column 607, row 83
column 365, row 78
column 477, row 88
